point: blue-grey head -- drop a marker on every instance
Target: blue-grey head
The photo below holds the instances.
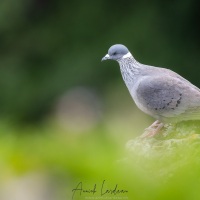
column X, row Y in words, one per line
column 117, row 52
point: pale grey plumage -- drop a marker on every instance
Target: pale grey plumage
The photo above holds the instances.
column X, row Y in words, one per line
column 159, row 92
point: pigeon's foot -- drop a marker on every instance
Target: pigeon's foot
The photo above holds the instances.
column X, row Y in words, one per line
column 152, row 130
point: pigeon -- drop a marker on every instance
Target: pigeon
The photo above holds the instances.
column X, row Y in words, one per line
column 158, row 92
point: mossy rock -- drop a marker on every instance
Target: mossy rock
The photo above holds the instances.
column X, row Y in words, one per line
column 170, row 137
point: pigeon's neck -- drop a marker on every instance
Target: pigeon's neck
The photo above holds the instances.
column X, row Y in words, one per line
column 130, row 70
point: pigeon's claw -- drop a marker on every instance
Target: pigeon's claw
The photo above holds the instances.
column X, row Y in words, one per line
column 152, row 130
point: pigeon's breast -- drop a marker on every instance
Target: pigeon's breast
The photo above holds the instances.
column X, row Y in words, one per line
column 139, row 101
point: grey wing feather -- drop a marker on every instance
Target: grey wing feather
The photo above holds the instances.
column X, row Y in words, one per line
column 169, row 97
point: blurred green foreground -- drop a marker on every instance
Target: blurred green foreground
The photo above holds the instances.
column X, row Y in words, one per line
column 49, row 162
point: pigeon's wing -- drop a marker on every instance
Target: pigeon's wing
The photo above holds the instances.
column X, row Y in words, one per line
column 175, row 75
column 169, row 97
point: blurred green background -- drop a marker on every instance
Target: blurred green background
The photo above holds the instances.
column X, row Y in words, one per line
column 65, row 117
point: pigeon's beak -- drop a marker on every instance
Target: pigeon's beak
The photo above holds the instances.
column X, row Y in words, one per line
column 106, row 57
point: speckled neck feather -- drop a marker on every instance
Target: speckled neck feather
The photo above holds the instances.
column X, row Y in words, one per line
column 129, row 68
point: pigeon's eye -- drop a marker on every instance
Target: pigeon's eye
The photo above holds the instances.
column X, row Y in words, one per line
column 114, row 53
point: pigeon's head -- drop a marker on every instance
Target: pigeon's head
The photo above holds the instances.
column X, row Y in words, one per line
column 117, row 52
